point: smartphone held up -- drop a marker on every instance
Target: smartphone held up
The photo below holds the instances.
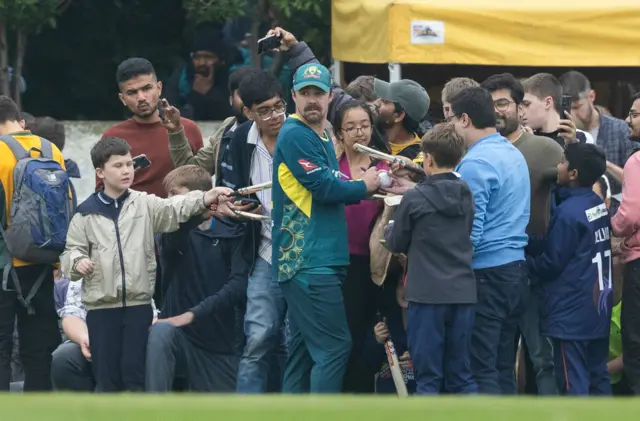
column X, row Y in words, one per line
column 161, row 106
column 566, row 105
column 140, row 161
column 268, row 43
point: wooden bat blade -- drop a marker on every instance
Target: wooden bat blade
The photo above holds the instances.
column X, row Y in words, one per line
column 255, row 188
column 252, row 216
column 396, row 371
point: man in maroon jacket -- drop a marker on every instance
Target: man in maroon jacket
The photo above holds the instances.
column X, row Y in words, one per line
column 146, row 132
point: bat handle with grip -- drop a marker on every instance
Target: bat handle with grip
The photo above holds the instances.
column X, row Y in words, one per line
column 413, row 169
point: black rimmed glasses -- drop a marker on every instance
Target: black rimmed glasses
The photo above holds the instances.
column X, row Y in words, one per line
column 268, row 113
column 502, row 104
column 354, row 131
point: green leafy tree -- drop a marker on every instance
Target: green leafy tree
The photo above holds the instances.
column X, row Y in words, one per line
column 23, row 18
column 309, row 20
column 198, row 11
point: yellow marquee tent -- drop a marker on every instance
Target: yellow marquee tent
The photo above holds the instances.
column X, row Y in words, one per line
column 490, row 32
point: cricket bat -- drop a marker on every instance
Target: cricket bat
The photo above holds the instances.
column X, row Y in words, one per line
column 396, row 371
column 372, row 153
column 254, row 189
column 251, row 216
column 394, row 366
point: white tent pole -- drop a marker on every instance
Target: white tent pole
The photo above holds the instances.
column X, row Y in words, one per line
column 395, row 72
column 336, row 72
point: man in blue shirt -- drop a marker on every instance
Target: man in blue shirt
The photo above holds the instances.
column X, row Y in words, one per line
column 309, row 237
column 498, row 177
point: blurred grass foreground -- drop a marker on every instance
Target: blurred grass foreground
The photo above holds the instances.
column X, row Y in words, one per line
column 179, row 407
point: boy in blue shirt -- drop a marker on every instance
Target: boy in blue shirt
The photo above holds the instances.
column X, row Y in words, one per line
column 576, row 263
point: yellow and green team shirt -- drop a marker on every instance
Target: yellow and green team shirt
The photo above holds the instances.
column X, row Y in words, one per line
column 309, row 229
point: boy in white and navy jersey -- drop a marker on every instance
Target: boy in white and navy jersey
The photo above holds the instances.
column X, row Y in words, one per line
column 575, row 269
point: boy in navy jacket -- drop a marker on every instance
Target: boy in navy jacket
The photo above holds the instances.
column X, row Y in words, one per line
column 576, row 260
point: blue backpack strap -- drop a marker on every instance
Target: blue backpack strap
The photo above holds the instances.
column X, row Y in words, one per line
column 18, row 150
column 46, row 150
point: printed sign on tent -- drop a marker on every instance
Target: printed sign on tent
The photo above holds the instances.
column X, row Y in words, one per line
column 427, row 32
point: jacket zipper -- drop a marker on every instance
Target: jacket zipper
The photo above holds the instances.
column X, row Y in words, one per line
column 124, row 281
column 251, row 224
column 254, row 251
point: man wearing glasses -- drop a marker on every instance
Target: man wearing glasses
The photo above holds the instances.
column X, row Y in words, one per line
column 251, row 162
column 542, row 155
column 401, row 107
column 625, row 225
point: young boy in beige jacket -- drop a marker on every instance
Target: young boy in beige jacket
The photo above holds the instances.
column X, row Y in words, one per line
column 110, row 245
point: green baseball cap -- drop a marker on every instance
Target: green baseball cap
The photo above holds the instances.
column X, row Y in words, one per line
column 411, row 96
column 312, row 74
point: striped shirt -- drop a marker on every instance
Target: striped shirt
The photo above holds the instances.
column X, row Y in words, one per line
column 262, row 172
column 73, row 305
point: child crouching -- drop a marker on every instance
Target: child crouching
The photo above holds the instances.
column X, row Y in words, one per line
column 110, row 244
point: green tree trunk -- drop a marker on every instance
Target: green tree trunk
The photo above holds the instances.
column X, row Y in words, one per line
column 21, row 48
column 4, row 60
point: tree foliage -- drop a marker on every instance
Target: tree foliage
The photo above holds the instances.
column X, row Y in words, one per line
column 199, row 11
column 70, row 70
column 309, row 21
column 31, row 15
column 22, row 18
column 291, row 8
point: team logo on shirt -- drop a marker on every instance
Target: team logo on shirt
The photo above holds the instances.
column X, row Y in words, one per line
column 596, row 212
column 307, row 166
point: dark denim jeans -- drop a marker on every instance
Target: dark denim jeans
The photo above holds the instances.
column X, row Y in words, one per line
column 502, row 295
column 538, row 346
column 630, row 319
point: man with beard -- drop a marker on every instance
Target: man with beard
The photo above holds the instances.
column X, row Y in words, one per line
column 209, row 157
column 310, row 252
column 610, row 133
column 146, row 133
column 199, row 87
column 542, row 155
column 401, row 107
column 626, row 224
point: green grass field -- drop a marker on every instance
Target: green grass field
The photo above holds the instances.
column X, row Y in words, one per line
column 61, row 407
